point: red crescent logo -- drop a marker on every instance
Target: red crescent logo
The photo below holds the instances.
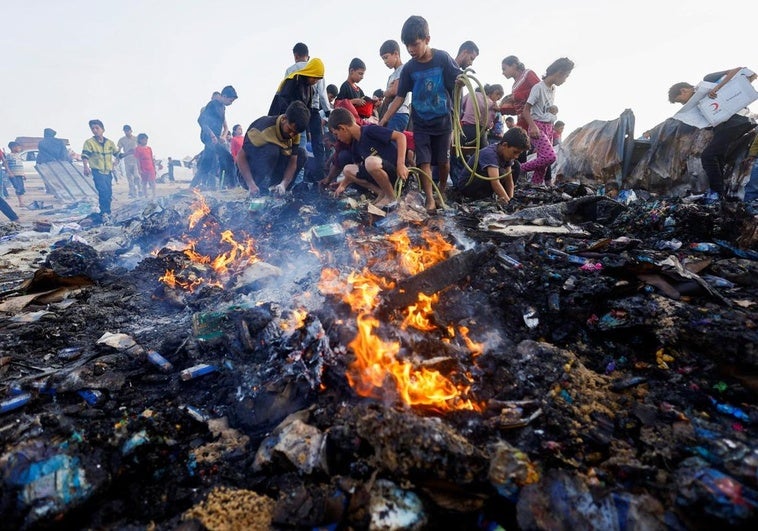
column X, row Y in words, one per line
column 715, row 106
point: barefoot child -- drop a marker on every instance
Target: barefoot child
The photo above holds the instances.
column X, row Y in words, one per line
column 378, row 156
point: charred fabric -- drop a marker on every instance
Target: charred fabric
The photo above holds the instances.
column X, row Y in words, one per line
column 566, row 361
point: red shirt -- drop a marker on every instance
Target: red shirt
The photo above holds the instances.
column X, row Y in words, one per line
column 144, row 156
column 236, row 144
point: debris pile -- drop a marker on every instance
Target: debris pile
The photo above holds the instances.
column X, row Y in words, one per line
column 566, row 361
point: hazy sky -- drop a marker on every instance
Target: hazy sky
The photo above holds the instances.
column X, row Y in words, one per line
column 154, row 63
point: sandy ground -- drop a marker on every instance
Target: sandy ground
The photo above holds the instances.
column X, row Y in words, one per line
column 35, row 191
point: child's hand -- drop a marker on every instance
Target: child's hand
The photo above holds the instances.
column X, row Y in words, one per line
column 254, row 191
column 402, row 171
column 534, row 131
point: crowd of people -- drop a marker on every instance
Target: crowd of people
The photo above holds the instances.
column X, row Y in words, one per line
column 415, row 124
column 371, row 141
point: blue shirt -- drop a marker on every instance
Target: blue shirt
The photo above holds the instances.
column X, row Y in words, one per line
column 432, row 84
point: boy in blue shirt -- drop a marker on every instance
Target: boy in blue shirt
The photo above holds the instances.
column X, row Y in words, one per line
column 431, row 76
column 378, row 155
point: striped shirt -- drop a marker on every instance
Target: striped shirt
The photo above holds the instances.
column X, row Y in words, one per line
column 100, row 155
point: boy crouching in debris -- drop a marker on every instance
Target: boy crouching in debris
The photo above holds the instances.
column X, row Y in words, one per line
column 378, row 156
column 495, row 160
column 270, row 157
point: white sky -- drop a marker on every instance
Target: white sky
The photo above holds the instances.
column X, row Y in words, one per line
column 154, row 63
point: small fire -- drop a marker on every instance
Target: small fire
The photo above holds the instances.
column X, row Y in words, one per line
column 237, row 256
column 201, row 209
column 416, row 259
column 170, row 279
column 296, row 320
column 419, row 314
column 376, row 367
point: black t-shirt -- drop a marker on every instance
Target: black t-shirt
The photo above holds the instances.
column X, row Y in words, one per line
column 211, row 120
column 349, row 91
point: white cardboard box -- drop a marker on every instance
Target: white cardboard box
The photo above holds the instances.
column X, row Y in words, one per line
column 737, row 94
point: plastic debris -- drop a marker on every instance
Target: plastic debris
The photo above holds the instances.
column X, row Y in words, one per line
column 705, row 247
column 15, row 402
column 197, row 371
column 159, row 361
column 91, row 396
column 393, row 508
column 509, row 260
column 531, row 318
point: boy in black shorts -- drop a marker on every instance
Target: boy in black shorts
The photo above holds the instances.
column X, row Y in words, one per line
column 378, row 155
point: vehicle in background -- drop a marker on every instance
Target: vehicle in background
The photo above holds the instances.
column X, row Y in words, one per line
column 183, row 169
column 29, row 157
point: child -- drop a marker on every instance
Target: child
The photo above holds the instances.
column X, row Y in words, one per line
column 539, row 114
column 146, row 164
column 494, row 160
column 715, row 153
column 297, row 86
column 97, row 158
column 375, row 158
column 351, row 95
column 15, row 165
column 489, row 110
column 431, row 76
column 390, row 54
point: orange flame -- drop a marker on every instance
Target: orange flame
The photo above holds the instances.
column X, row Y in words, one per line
column 296, row 320
column 201, row 209
column 376, row 369
column 419, row 314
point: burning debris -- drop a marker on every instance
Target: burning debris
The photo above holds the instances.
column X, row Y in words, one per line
column 568, row 362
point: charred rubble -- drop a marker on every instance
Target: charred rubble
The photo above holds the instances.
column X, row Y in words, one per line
column 596, row 363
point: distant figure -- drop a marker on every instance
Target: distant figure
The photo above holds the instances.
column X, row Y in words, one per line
column 15, row 166
column 390, row 54
column 494, row 160
column 271, row 155
column 714, row 155
column 467, row 53
column 97, row 156
column 126, row 144
column 539, row 113
column 431, row 75
column 237, row 138
column 509, row 123
column 51, row 148
column 146, row 163
column 214, row 157
column 171, row 170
